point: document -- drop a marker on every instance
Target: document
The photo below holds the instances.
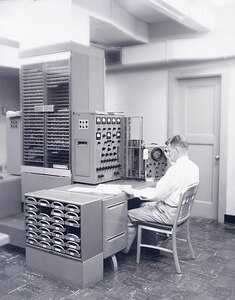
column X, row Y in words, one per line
column 81, row 189
column 108, row 189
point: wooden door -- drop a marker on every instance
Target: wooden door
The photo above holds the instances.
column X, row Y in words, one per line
column 196, row 115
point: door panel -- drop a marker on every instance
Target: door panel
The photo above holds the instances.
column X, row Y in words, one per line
column 199, row 102
column 204, row 192
column 197, row 117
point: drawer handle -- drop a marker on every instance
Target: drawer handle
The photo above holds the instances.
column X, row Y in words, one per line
column 57, row 205
column 116, row 236
column 43, row 202
column 115, row 205
column 31, row 200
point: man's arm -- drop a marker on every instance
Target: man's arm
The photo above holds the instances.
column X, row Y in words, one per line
column 163, row 187
column 146, row 193
column 128, row 190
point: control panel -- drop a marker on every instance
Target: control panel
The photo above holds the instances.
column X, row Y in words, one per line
column 155, row 162
column 97, row 144
column 139, row 160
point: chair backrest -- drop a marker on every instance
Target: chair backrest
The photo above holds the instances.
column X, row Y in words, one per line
column 185, row 204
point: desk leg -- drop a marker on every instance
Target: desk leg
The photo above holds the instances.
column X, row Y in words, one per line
column 114, row 262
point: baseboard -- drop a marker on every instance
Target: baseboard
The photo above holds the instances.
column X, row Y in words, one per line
column 229, row 219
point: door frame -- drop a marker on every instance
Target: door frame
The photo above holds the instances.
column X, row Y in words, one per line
column 205, row 71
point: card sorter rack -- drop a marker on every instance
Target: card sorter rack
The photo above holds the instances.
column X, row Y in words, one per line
column 55, row 226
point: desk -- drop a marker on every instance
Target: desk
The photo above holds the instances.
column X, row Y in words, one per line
column 102, row 232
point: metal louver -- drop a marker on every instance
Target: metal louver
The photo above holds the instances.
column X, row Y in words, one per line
column 46, row 114
column 33, row 122
column 58, row 122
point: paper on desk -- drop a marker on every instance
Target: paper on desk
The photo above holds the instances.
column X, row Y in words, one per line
column 82, row 189
column 110, row 189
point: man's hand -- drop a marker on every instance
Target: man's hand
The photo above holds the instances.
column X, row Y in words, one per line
column 128, row 190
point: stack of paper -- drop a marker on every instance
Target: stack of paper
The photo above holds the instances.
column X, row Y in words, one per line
column 110, row 189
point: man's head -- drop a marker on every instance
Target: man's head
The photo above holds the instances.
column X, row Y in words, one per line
column 177, row 146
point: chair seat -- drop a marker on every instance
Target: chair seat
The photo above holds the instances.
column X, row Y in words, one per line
column 156, row 225
column 159, row 225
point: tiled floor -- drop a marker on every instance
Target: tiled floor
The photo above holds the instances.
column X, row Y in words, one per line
column 210, row 276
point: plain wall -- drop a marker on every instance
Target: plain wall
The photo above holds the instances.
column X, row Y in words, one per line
column 141, row 92
column 9, row 100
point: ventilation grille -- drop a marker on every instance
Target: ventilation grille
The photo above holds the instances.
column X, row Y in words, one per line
column 113, row 57
column 58, row 138
column 58, row 84
column 58, row 122
column 46, row 132
column 33, row 122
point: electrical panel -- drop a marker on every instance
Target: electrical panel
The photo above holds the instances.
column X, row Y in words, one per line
column 146, row 162
column 155, row 162
column 140, row 161
column 132, row 148
column 134, row 163
column 97, row 147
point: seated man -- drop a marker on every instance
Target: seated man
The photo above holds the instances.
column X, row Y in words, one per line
column 164, row 198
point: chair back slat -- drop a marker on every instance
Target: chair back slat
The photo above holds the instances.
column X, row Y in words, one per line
column 185, row 204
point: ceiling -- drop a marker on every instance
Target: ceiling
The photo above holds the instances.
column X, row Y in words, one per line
column 142, row 11
column 119, row 22
column 141, row 16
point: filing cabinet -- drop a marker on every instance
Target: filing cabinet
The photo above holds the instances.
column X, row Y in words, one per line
column 62, row 227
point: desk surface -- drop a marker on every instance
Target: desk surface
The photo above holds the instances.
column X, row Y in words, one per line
column 90, row 189
column 136, row 184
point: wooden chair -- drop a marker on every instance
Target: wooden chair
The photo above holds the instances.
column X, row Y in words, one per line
column 182, row 216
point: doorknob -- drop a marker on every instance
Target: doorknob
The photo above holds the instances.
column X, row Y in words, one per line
column 217, row 157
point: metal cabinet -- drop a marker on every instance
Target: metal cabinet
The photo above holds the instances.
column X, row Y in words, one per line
column 65, row 230
column 55, row 83
column 114, row 224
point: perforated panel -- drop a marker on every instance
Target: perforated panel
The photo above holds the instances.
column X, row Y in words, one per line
column 58, row 122
column 57, row 81
column 46, row 114
column 33, row 121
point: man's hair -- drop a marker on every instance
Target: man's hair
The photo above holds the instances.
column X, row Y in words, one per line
column 178, row 141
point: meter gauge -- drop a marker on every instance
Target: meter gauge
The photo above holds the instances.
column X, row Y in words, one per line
column 156, row 154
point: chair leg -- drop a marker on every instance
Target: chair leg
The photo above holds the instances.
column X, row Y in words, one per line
column 139, row 234
column 189, row 242
column 175, row 253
